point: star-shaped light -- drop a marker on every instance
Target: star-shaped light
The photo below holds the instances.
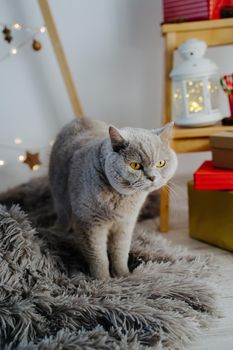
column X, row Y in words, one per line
column 32, row 160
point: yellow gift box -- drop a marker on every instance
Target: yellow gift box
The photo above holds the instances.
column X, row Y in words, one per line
column 211, row 216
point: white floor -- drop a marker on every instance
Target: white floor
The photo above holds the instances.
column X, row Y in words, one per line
column 219, row 336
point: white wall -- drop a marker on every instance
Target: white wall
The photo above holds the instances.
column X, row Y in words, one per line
column 115, row 51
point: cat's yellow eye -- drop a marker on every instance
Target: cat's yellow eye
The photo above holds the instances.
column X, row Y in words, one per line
column 160, row 164
column 136, row 166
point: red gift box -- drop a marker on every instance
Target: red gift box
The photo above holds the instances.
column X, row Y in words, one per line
column 192, row 10
column 207, row 177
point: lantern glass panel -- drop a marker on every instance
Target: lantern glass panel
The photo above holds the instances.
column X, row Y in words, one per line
column 178, row 103
column 195, row 96
column 213, row 88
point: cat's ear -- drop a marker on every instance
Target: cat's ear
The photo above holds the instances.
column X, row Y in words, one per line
column 117, row 140
column 165, row 133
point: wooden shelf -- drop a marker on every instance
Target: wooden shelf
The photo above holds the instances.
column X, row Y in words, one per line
column 195, row 139
column 197, row 25
column 214, row 33
column 180, row 133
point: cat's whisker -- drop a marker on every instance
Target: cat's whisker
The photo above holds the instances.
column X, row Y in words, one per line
column 176, row 193
column 173, row 191
column 176, row 188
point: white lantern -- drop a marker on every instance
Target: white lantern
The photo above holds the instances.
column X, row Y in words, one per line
column 195, row 87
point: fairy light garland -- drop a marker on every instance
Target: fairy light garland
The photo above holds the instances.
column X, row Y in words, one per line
column 8, row 32
column 32, row 159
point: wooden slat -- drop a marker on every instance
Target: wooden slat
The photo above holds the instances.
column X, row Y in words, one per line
column 191, row 145
column 164, row 209
column 215, row 33
column 213, row 37
column 57, row 46
column 180, row 133
column 197, row 25
column 168, row 52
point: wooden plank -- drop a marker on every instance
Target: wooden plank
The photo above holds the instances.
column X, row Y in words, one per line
column 213, row 37
column 180, row 133
column 170, row 43
column 59, row 52
column 197, row 25
column 164, row 209
column 191, row 145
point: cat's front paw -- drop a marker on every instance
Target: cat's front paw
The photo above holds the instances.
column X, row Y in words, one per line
column 123, row 272
column 100, row 274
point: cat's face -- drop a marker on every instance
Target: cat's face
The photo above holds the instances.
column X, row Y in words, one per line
column 140, row 160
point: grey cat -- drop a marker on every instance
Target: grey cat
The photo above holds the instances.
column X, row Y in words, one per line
column 99, row 178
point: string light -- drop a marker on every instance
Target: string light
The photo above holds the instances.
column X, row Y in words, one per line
column 35, row 167
column 21, row 158
column 13, row 50
column 18, row 141
column 7, row 30
column 195, row 107
column 27, row 158
column 43, row 29
column 17, row 26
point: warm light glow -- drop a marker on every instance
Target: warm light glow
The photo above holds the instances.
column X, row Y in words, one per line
column 187, row 95
column 21, row 158
column 195, row 107
column 43, row 29
column 17, row 26
column 18, row 141
column 190, row 83
column 35, row 167
column 14, row 51
column 2, row 162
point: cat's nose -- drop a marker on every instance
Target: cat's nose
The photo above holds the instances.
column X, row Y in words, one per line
column 151, row 178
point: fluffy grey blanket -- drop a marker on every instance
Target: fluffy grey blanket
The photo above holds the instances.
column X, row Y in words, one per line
column 48, row 300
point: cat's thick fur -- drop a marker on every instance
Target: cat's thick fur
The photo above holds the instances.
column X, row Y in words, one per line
column 97, row 192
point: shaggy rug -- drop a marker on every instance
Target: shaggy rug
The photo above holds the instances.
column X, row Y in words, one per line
column 48, row 300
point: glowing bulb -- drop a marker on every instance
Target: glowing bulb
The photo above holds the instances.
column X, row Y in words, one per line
column 17, row 26
column 190, row 83
column 14, row 51
column 175, row 95
column 43, row 29
column 195, row 107
column 21, row 158
column 200, row 98
column 18, row 141
column 35, row 167
column 187, row 95
column 2, row 162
